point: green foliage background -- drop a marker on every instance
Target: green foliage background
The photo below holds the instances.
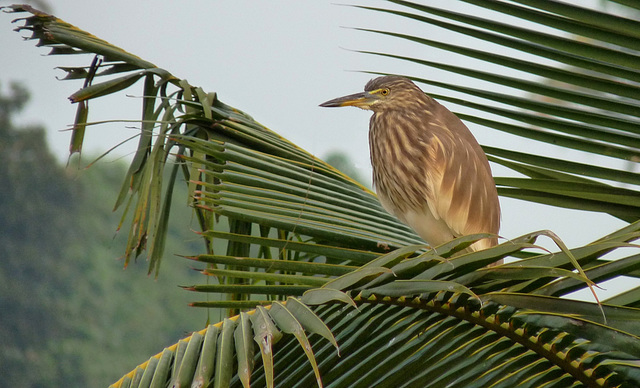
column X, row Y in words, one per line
column 69, row 311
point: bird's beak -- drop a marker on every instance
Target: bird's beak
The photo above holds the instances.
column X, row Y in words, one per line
column 362, row 100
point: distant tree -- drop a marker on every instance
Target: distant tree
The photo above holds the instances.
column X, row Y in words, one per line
column 38, row 199
column 343, row 162
column 58, row 268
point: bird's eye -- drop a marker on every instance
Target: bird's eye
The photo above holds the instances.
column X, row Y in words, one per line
column 384, row 92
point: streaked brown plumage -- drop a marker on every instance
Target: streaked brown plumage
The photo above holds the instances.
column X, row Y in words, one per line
column 428, row 169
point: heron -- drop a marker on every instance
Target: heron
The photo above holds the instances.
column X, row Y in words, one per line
column 428, row 169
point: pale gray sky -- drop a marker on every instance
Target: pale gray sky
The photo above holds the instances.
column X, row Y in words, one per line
column 275, row 60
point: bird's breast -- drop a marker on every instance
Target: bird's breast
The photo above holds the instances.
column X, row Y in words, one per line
column 399, row 160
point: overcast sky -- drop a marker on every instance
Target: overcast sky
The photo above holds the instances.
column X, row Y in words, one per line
column 275, row 60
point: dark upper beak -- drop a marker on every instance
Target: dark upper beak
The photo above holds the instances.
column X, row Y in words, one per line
column 361, row 100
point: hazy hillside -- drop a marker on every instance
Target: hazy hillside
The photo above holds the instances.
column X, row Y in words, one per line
column 69, row 314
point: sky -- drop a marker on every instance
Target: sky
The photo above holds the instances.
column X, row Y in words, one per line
column 274, row 60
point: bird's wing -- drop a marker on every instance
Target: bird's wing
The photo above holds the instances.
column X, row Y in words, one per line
column 461, row 188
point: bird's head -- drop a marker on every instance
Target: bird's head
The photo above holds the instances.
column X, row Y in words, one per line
column 381, row 93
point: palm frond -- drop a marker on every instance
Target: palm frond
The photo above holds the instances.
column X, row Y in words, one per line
column 437, row 320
